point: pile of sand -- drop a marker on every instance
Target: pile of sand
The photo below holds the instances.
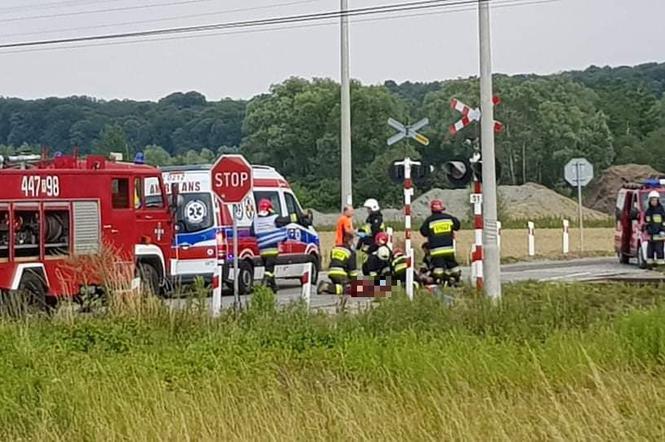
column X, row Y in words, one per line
column 601, row 193
column 529, row 201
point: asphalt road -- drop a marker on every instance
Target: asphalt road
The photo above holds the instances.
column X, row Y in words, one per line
column 579, row 270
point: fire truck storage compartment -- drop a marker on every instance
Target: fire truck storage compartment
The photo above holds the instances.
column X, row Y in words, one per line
column 56, row 230
column 4, row 231
column 26, row 230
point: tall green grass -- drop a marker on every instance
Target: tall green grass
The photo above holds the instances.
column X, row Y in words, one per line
column 564, row 362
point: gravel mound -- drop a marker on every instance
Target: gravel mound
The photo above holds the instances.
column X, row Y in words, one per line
column 601, row 193
column 529, row 201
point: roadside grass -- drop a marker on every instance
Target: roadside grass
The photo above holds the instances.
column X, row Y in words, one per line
column 514, row 247
column 553, row 361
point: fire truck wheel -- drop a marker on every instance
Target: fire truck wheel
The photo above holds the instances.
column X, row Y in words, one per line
column 641, row 262
column 623, row 258
column 245, row 277
column 149, row 278
column 31, row 294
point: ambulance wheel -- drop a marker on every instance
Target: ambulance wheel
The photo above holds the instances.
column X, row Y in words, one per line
column 245, row 277
column 149, row 278
column 641, row 262
column 315, row 268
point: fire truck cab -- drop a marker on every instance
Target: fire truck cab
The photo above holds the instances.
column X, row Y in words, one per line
column 54, row 212
column 630, row 239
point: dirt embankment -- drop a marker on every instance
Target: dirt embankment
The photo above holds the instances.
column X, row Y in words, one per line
column 601, row 193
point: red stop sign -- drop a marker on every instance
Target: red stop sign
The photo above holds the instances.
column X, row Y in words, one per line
column 231, row 178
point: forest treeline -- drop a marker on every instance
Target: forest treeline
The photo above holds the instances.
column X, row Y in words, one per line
column 609, row 115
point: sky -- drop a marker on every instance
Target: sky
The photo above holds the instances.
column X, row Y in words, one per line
column 424, row 45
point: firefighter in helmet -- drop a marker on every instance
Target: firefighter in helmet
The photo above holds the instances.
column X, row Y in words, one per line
column 399, row 265
column 439, row 230
column 373, row 224
column 379, row 258
column 342, row 268
column 267, row 228
column 654, row 218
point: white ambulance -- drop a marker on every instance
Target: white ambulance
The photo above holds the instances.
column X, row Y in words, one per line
column 205, row 233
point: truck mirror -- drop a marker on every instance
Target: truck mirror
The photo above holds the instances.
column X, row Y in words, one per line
column 175, row 194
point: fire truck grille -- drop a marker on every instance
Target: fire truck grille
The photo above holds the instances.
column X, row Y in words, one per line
column 86, row 227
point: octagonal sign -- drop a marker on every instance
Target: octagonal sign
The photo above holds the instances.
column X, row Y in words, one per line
column 231, row 178
column 578, row 171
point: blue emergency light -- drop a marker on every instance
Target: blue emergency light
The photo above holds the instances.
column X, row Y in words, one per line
column 139, row 158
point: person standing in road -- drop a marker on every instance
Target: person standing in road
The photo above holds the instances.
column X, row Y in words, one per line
column 267, row 228
column 344, row 226
column 654, row 218
column 439, row 230
column 373, row 224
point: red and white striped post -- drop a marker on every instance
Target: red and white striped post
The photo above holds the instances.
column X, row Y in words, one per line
column 408, row 193
column 217, row 292
column 477, row 254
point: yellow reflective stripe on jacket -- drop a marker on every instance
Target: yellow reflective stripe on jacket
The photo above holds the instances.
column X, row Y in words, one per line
column 443, row 251
column 340, row 254
column 657, row 218
column 270, row 252
column 441, row 226
column 294, row 217
column 337, row 271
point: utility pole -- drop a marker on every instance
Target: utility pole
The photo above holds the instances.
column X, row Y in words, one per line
column 347, row 185
column 492, row 259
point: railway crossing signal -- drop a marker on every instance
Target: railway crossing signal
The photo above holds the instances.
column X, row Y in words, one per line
column 470, row 115
column 405, row 131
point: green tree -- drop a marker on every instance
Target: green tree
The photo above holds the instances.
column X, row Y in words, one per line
column 113, row 139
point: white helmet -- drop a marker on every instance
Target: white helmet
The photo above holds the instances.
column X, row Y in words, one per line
column 372, row 205
column 654, row 194
column 383, row 253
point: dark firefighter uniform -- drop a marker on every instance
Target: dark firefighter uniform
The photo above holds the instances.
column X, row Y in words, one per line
column 399, row 266
column 654, row 217
column 438, row 229
column 379, row 260
column 342, row 270
column 267, row 228
column 373, row 225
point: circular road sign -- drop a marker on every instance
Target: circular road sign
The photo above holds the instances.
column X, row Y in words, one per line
column 231, row 178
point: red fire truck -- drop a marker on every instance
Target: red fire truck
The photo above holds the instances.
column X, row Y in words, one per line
column 57, row 211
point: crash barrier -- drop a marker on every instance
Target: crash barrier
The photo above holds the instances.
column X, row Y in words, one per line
column 531, row 240
column 306, row 282
column 566, row 237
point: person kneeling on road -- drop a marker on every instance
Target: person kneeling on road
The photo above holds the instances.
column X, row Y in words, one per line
column 267, row 228
column 379, row 259
column 342, row 268
column 439, row 230
column 399, row 266
column 655, row 227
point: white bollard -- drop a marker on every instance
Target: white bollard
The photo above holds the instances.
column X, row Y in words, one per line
column 306, row 280
column 566, row 237
column 532, row 239
column 389, row 232
column 498, row 234
column 217, row 292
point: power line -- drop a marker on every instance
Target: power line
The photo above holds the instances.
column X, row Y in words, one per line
column 157, row 20
column 51, row 5
column 103, row 11
column 384, row 9
column 470, row 6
